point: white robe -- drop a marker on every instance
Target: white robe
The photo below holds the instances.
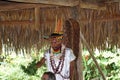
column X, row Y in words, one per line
column 69, row 56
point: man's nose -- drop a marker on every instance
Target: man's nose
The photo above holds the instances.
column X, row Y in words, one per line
column 54, row 40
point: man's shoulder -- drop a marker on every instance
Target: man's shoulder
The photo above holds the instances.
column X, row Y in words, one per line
column 47, row 51
column 68, row 48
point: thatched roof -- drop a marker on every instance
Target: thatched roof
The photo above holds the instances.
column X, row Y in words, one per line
column 22, row 25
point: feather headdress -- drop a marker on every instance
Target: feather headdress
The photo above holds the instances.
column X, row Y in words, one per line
column 58, row 29
column 59, row 26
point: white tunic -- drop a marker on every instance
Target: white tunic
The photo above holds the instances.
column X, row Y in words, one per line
column 69, row 56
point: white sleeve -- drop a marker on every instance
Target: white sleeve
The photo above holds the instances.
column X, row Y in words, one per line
column 46, row 54
column 72, row 56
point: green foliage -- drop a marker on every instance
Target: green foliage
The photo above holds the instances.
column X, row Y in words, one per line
column 23, row 68
column 11, row 67
column 30, row 69
column 108, row 61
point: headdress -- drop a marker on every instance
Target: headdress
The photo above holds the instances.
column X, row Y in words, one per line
column 58, row 32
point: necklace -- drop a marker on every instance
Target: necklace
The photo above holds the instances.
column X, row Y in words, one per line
column 56, row 51
column 57, row 69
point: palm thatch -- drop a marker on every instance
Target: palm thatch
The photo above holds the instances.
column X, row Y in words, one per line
column 101, row 28
column 21, row 29
column 18, row 27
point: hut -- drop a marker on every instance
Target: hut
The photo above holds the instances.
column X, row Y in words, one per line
column 91, row 23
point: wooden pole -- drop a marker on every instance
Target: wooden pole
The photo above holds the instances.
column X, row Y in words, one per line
column 91, row 53
column 95, row 6
column 79, row 63
column 52, row 2
column 37, row 18
column 17, row 22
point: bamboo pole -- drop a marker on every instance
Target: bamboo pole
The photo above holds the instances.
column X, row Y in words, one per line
column 91, row 53
column 11, row 6
column 22, row 22
column 52, row 2
column 50, row 20
column 92, row 6
column 79, row 63
column 105, row 19
column 37, row 18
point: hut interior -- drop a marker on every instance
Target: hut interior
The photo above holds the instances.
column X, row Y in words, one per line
column 23, row 23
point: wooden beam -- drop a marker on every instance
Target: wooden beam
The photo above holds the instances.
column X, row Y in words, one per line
column 37, row 18
column 9, row 6
column 17, row 22
column 109, row 1
column 22, row 22
column 116, row 18
column 92, row 6
column 116, row 0
column 53, row 2
column 32, row 22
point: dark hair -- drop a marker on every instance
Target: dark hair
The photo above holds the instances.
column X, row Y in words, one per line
column 51, row 75
column 55, row 34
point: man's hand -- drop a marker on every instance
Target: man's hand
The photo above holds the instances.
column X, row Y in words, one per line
column 40, row 63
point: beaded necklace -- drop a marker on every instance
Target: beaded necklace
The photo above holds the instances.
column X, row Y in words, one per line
column 57, row 51
column 57, row 69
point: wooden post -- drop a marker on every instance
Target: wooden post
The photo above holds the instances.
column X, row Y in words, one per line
column 91, row 53
column 37, row 18
column 53, row 2
column 79, row 63
column 92, row 6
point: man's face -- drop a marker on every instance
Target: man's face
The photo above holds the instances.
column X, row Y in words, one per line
column 56, row 41
column 45, row 77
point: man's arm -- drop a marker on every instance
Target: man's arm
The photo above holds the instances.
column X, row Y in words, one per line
column 40, row 63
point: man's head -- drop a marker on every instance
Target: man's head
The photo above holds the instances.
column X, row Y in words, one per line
column 57, row 36
column 48, row 76
column 56, row 40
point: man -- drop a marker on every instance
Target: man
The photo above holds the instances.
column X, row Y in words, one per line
column 48, row 76
column 59, row 59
